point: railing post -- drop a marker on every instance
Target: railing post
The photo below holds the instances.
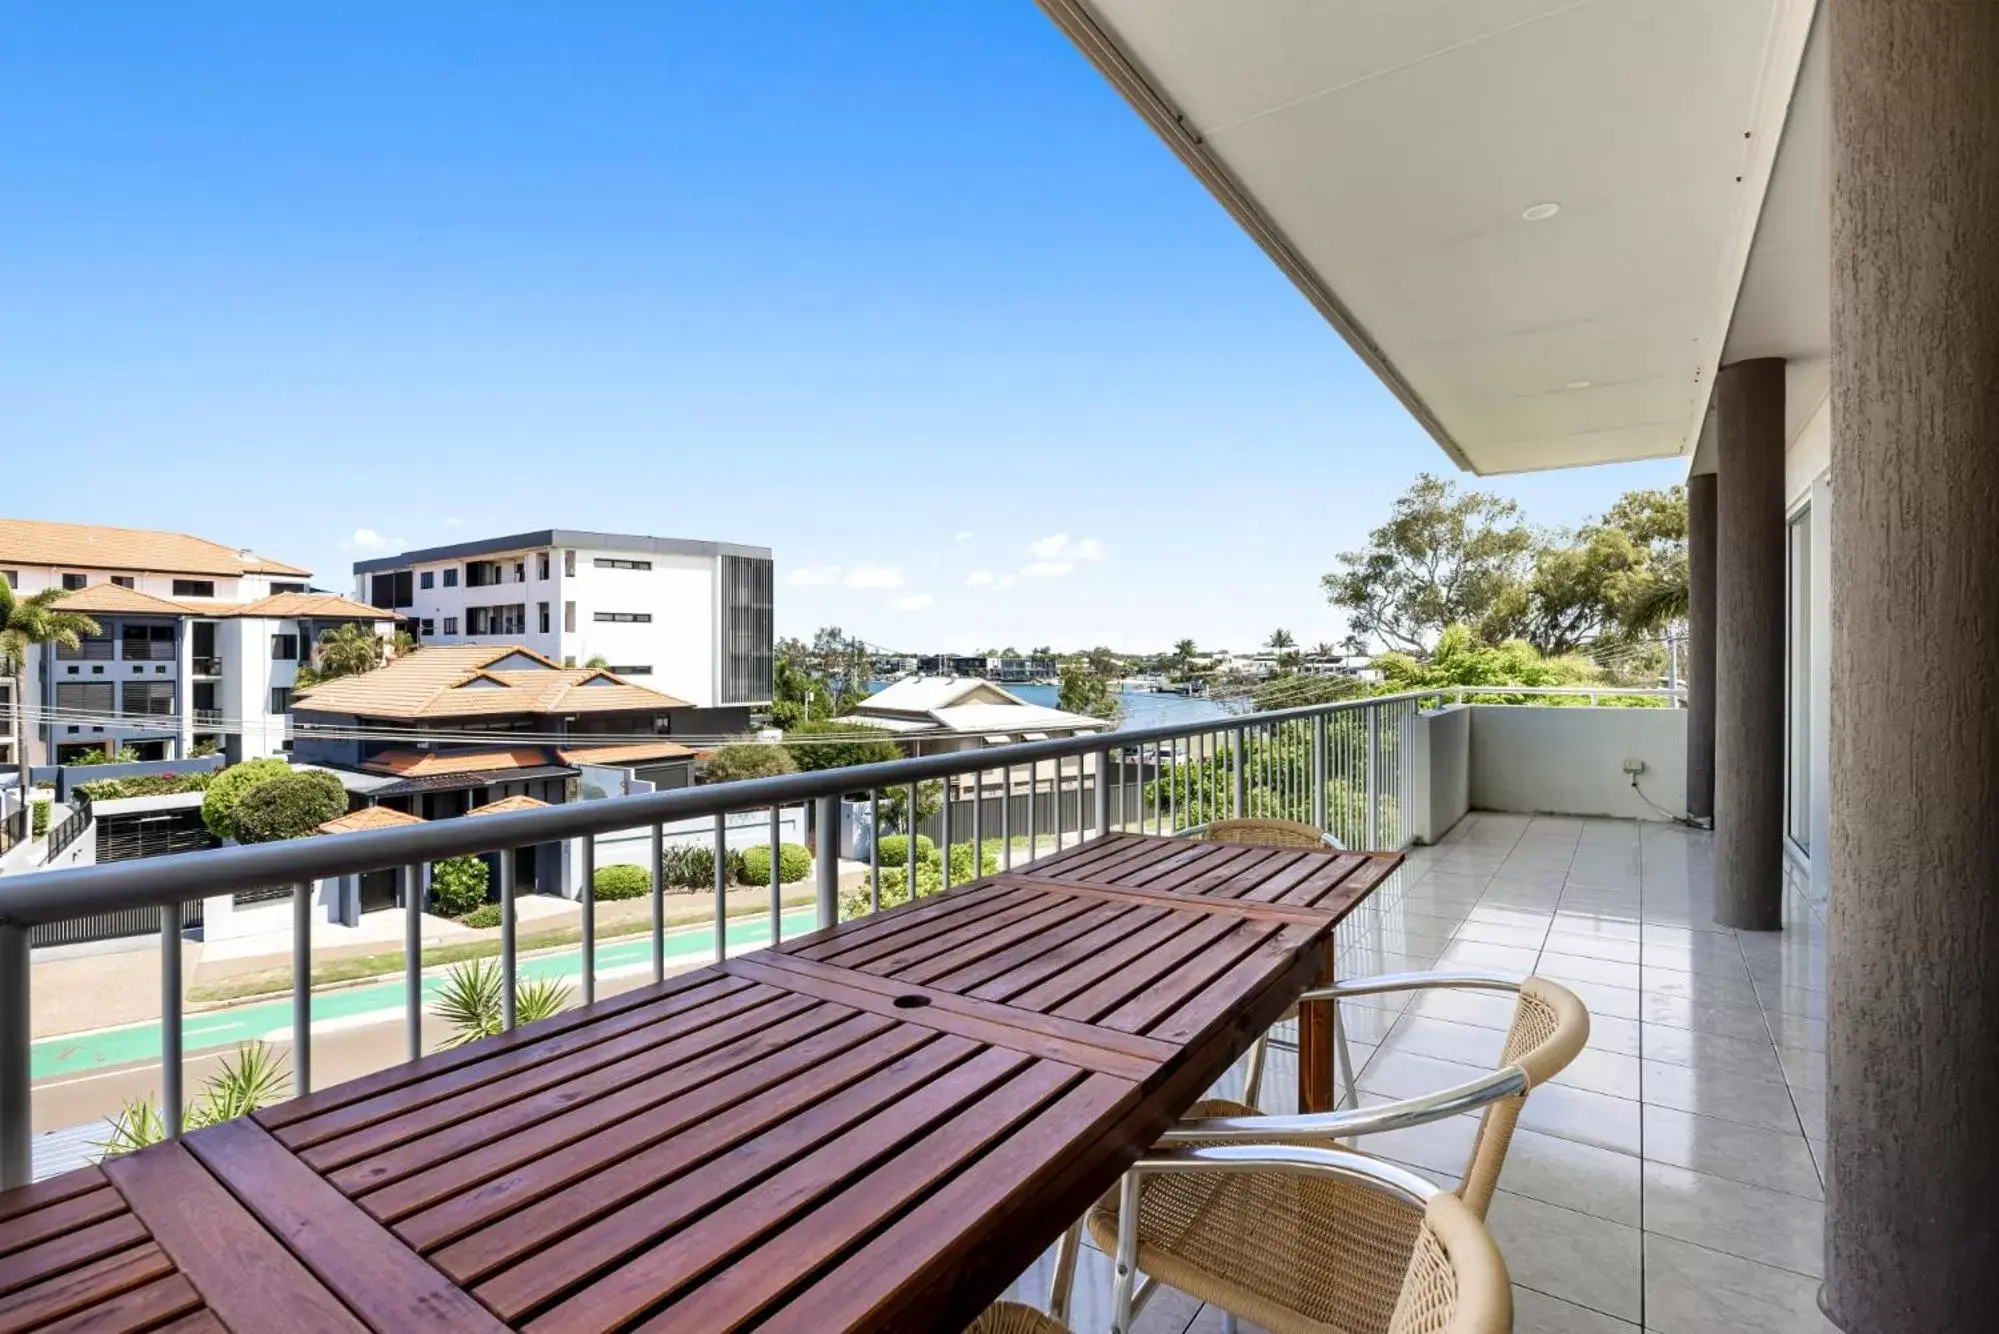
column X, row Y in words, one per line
column 721, row 895
column 826, row 861
column 508, row 999
column 1102, row 796
column 1373, row 776
column 1240, row 793
column 170, row 1020
column 409, row 877
column 16, row 1061
column 302, row 988
column 1319, row 771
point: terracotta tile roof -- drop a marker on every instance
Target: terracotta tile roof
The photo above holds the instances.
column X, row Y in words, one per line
column 109, row 598
column 429, row 763
column 94, row 547
column 479, row 680
column 505, row 804
column 631, row 753
column 323, row 606
column 369, row 817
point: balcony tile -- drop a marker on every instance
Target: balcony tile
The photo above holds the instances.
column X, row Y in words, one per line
column 1796, row 1030
column 1776, row 1161
column 1444, row 1040
column 1704, row 987
column 1465, row 1007
column 1585, row 945
column 1584, row 1177
column 1589, row 1118
column 1803, row 1070
column 1497, row 933
column 1745, row 1221
column 1740, row 1098
column 1576, row 1257
column 1537, row 1313
column 1602, row 1072
column 1793, row 1001
column 1474, row 954
column 1725, row 1020
column 1752, row 1057
column 1581, row 969
column 1607, row 1033
column 1616, row 1002
column 1811, row 1111
column 1574, row 922
column 1694, row 1290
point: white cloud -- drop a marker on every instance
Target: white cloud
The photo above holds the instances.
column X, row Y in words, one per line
column 1047, row 569
column 1061, row 548
column 874, row 576
column 964, row 535
column 979, row 579
column 814, row 575
column 367, row 539
column 914, row 602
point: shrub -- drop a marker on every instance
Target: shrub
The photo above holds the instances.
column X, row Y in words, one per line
column 39, row 821
column 457, row 886
column 145, row 785
column 291, row 805
column 961, row 861
column 895, row 889
column 749, row 759
column 470, row 1000
column 895, row 850
column 794, row 863
column 483, row 916
column 691, row 866
column 844, row 742
column 218, row 809
column 620, row 882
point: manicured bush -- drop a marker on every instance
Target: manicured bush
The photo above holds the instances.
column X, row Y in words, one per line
column 218, row 809
column 145, row 785
column 38, row 822
column 749, row 759
column 483, row 916
column 290, row 805
column 794, row 863
column 895, row 850
column 961, row 861
column 620, row 882
column 895, row 889
column 457, row 886
column 691, row 866
column 836, row 743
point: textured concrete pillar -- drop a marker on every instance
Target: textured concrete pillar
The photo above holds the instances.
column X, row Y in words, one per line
column 1749, row 646
column 1912, row 1221
column 1700, row 645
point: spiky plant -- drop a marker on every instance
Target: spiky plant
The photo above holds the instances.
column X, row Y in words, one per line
column 253, row 1080
column 470, row 1000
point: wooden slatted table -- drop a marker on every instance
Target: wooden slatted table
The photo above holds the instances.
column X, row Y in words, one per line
column 872, row 1127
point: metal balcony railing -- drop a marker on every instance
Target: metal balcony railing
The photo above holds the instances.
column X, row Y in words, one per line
column 1338, row 766
column 208, row 666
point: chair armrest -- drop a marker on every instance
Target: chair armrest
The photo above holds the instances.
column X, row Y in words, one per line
column 1451, row 980
column 1381, row 1175
column 1262, row 1130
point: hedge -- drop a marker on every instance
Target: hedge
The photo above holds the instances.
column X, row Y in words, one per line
column 457, row 886
column 290, row 805
column 794, row 863
column 895, row 850
column 38, row 823
column 218, row 809
column 145, row 785
column 620, row 882
column 485, row 915
column 961, row 860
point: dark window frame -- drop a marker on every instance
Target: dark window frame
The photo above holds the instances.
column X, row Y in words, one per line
column 622, row 617
column 194, row 588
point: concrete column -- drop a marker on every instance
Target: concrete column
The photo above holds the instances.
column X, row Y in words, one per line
column 1749, row 646
column 1700, row 645
column 1912, row 1219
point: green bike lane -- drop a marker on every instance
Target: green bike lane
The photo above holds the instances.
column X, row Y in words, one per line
column 83, row 1053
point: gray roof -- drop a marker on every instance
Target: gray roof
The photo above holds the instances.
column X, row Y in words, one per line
column 559, row 537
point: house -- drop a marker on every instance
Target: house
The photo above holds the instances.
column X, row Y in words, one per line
column 693, row 618
column 932, row 714
column 199, row 643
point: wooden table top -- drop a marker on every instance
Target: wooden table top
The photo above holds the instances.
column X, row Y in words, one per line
column 873, row 1126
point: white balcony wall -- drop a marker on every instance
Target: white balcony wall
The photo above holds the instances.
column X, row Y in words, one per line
column 1537, row 759
column 1439, row 749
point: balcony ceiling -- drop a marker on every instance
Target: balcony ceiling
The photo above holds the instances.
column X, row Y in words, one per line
column 1384, row 151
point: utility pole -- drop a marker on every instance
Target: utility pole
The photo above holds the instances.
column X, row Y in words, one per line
column 1672, row 663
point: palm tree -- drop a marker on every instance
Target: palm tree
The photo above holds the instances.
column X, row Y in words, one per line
column 1280, row 639
column 1322, row 649
column 24, row 623
column 1658, row 603
column 1184, row 653
column 349, row 650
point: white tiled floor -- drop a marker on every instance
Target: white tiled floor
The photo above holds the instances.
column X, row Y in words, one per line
column 1670, row 1178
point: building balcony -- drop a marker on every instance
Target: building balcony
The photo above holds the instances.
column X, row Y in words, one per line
column 207, row 666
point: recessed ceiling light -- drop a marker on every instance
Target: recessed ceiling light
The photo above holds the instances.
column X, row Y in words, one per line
column 1541, row 212
column 1577, row 384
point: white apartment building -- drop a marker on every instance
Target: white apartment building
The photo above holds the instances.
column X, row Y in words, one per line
column 692, row 619
column 198, row 643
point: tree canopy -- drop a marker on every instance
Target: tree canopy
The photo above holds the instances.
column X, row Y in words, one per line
column 748, row 758
column 1087, row 690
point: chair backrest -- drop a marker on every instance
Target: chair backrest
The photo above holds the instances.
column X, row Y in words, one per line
column 1265, row 833
column 1457, row 1282
column 1549, row 1027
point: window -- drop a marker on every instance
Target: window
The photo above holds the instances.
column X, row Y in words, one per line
column 1798, row 683
column 423, row 627
column 520, row 571
column 642, row 669
column 12, row 578
column 569, row 617
column 194, row 588
column 76, row 581
column 124, row 581
column 484, row 573
column 747, row 629
column 284, row 648
column 78, row 697
column 542, row 609
column 451, row 625
column 507, row 619
column 427, row 579
column 541, row 565
column 607, row 563
column 391, row 590
column 451, row 577
column 281, row 699
column 626, row 617
column 95, row 649
column 147, row 643
column 288, row 588
column 148, row 698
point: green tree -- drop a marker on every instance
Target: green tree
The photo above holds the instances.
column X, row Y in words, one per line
column 290, row 805
column 1444, row 558
column 1621, row 575
column 798, row 693
column 1460, row 659
column 836, row 743
column 749, row 758
column 218, row 808
column 1087, row 691
column 457, row 885
column 26, row 623
column 349, row 650
column 1280, row 639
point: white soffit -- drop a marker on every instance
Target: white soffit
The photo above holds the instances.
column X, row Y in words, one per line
column 1383, row 152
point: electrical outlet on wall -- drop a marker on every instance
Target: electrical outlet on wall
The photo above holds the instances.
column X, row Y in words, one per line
column 1634, row 767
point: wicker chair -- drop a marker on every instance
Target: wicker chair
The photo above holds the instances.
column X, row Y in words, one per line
column 1013, row 1318
column 1239, row 1240
column 1392, row 1254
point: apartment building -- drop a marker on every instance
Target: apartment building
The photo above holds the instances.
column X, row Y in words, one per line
column 198, row 644
column 691, row 619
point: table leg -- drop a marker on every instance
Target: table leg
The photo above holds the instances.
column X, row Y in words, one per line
column 1315, row 1044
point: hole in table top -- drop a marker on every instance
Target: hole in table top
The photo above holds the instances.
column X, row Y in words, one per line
column 911, row 1002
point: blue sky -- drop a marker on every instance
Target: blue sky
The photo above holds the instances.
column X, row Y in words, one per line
column 902, row 291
